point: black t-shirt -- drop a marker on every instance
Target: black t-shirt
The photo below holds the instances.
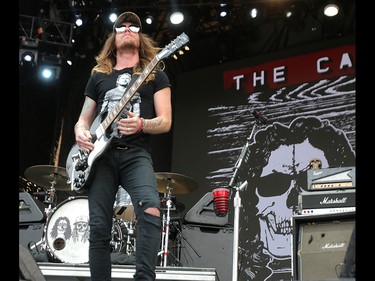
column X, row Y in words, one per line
column 107, row 90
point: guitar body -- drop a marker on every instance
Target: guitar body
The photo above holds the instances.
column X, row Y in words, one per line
column 80, row 164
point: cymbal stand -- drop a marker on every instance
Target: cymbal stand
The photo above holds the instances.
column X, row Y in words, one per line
column 162, row 241
column 130, row 247
column 49, row 198
column 165, row 232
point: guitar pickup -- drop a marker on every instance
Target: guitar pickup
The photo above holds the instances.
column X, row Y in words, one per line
column 80, row 160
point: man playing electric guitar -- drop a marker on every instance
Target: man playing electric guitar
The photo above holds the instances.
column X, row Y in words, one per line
column 124, row 153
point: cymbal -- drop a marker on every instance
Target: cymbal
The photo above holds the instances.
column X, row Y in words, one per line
column 45, row 176
column 176, row 183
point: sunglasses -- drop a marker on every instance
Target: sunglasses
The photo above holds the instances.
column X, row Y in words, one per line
column 133, row 28
column 278, row 183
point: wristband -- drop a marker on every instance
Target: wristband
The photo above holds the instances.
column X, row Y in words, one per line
column 141, row 126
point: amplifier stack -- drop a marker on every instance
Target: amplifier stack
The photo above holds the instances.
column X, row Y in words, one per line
column 330, row 190
column 323, row 227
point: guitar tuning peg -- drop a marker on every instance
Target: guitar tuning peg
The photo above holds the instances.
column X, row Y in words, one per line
column 174, row 56
column 180, row 52
column 187, row 48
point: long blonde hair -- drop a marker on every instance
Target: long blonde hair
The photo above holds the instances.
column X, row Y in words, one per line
column 106, row 59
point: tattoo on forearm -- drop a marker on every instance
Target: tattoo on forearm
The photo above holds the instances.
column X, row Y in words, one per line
column 78, row 126
column 155, row 122
column 86, row 107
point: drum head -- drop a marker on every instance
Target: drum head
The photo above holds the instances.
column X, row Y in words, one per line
column 67, row 231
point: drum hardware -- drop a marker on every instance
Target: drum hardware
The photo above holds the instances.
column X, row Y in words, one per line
column 46, row 175
column 124, row 216
column 123, row 206
column 51, row 178
column 29, row 187
column 130, row 238
column 121, row 230
column 179, row 184
column 176, row 208
column 117, row 242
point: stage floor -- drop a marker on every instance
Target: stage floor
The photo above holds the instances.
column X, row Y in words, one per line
column 81, row 272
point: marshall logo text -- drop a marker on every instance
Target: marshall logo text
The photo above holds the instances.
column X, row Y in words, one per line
column 329, row 201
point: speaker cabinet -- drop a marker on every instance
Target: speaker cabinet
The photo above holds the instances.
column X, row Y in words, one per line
column 320, row 244
column 208, row 247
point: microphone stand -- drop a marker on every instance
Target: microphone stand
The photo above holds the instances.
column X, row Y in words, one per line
column 237, row 202
column 237, row 206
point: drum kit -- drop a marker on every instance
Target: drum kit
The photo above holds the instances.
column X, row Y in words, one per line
column 66, row 230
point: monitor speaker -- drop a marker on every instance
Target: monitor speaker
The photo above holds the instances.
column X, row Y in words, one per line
column 208, row 246
column 203, row 212
column 30, row 209
column 321, row 244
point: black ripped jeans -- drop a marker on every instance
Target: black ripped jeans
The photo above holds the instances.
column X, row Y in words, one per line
column 132, row 168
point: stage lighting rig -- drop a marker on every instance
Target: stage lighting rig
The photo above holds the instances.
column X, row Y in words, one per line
column 28, row 53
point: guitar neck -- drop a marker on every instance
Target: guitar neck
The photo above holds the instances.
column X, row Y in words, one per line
column 129, row 94
column 167, row 51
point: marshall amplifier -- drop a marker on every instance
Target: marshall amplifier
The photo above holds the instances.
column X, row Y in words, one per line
column 331, row 178
column 323, row 247
column 326, row 201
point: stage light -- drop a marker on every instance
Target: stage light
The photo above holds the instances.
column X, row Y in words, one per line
column 223, row 11
column 149, row 19
column 28, row 57
column 49, row 67
column 79, row 21
column 331, row 10
column 254, row 13
column 223, row 14
column 295, row 17
column 292, row 11
column 176, row 18
column 28, row 53
column 49, row 72
column 112, row 17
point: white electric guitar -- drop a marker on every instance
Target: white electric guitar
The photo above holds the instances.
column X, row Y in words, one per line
column 80, row 163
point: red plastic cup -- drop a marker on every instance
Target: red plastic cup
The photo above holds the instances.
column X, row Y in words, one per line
column 221, row 199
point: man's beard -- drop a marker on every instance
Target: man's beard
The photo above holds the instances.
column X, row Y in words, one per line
column 128, row 46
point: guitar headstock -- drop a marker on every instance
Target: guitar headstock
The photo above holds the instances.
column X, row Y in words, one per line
column 175, row 45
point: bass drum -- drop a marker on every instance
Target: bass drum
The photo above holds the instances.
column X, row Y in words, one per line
column 67, row 231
